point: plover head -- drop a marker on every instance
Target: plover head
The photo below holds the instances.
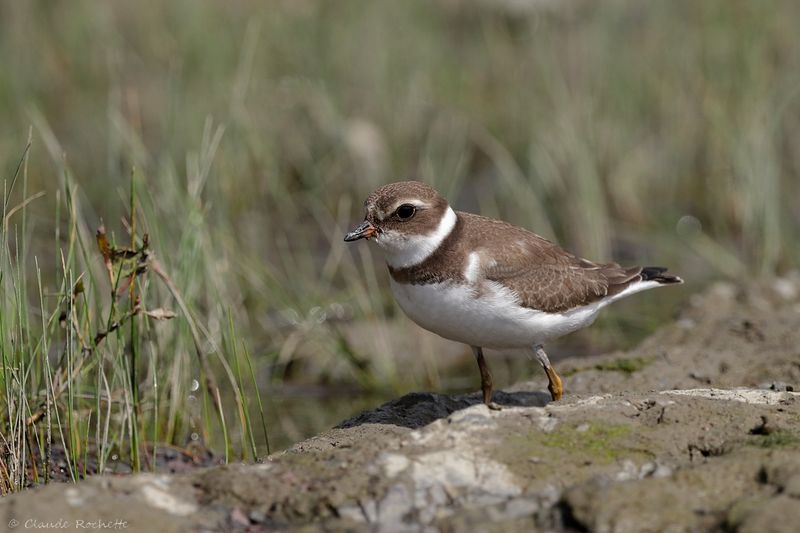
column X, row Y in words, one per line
column 408, row 220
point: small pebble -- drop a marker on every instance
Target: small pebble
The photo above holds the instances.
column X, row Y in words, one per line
column 778, row 386
column 238, row 517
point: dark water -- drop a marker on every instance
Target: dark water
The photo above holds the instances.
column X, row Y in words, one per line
column 297, row 413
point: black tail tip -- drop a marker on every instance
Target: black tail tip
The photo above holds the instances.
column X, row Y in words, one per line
column 659, row 274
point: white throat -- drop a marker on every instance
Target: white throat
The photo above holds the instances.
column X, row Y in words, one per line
column 402, row 251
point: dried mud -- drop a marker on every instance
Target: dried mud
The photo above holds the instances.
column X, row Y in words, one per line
column 697, row 429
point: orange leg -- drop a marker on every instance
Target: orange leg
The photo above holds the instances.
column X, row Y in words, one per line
column 554, row 384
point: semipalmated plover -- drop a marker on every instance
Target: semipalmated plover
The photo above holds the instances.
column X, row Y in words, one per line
column 487, row 283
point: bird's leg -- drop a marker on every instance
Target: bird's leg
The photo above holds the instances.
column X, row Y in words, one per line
column 486, row 378
column 554, row 381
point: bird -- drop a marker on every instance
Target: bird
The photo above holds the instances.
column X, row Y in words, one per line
column 487, row 283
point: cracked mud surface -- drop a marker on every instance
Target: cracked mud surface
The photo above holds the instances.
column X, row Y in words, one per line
column 697, row 429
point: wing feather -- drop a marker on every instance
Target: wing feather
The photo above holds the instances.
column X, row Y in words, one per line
column 539, row 272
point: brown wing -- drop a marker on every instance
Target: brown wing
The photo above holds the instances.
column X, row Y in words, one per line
column 543, row 275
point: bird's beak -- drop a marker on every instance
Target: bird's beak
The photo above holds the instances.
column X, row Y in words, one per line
column 365, row 230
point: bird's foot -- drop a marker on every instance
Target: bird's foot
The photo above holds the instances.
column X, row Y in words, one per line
column 554, row 385
column 493, row 406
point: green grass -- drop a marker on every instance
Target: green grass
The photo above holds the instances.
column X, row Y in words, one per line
column 242, row 138
column 100, row 374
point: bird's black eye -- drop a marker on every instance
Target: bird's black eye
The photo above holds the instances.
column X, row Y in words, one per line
column 405, row 211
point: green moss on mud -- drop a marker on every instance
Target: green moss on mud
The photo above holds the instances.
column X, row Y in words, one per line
column 626, row 365
column 571, row 447
column 600, row 442
column 776, row 439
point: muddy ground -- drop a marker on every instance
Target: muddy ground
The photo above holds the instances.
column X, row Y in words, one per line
column 697, row 429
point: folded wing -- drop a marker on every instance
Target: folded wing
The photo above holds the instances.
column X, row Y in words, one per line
column 546, row 277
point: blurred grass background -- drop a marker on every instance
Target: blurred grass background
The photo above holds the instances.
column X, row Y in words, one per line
column 658, row 132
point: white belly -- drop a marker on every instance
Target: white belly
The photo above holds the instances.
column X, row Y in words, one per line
column 489, row 319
